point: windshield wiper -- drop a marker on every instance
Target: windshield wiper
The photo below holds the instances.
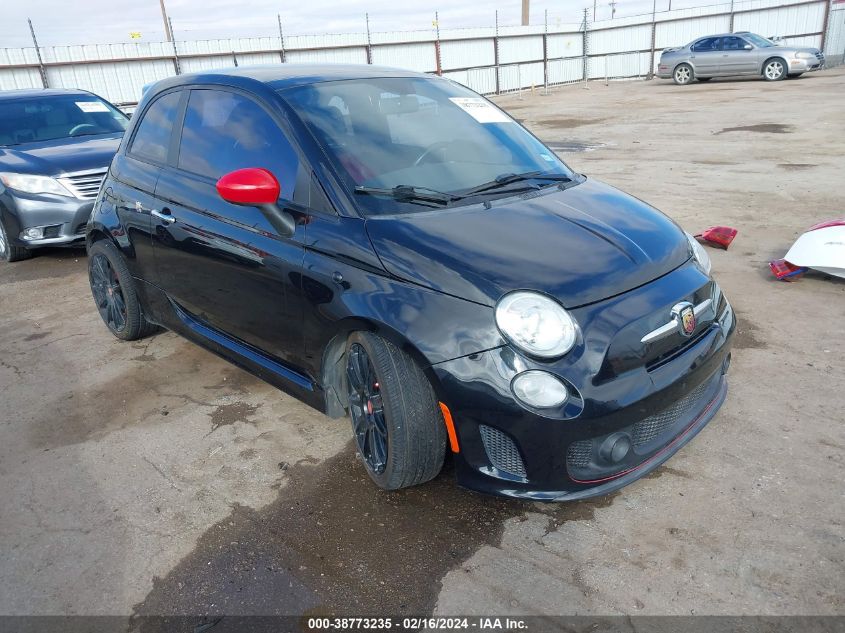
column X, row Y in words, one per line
column 508, row 179
column 410, row 193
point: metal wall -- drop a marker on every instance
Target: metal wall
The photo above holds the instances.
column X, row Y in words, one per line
column 487, row 59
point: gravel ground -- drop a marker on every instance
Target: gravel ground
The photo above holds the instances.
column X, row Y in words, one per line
column 153, row 477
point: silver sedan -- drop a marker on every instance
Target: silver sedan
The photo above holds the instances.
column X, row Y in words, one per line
column 734, row 54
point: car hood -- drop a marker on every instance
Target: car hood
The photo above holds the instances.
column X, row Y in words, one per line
column 586, row 243
column 60, row 156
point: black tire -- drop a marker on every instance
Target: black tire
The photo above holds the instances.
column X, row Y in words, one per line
column 775, row 69
column 412, row 427
column 704, row 78
column 683, row 75
column 9, row 252
column 115, row 294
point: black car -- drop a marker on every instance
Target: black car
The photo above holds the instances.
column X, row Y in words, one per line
column 55, row 148
column 390, row 245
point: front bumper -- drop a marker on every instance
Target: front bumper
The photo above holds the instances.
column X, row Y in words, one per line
column 656, row 407
column 63, row 218
column 806, row 65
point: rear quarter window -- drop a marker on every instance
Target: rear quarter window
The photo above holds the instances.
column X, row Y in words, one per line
column 152, row 138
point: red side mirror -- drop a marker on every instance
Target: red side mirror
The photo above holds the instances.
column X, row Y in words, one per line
column 253, row 186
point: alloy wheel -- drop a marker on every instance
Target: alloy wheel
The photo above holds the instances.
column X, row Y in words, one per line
column 682, row 75
column 108, row 294
column 367, row 408
column 2, row 242
column 774, row 70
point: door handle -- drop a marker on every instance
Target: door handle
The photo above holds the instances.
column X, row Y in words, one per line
column 164, row 216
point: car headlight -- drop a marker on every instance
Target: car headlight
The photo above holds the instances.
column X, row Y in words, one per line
column 804, row 55
column 29, row 183
column 536, row 324
column 700, row 254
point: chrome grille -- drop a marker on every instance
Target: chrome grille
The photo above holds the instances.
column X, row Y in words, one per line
column 502, row 451
column 85, row 185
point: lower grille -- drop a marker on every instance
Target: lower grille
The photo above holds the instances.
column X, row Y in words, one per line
column 52, row 231
column 579, row 454
column 502, row 451
column 651, row 427
column 584, row 458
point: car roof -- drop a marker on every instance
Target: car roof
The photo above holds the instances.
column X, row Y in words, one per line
column 39, row 92
column 703, row 37
column 278, row 76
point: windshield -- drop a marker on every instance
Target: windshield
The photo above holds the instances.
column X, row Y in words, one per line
column 758, row 41
column 424, row 135
column 45, row 118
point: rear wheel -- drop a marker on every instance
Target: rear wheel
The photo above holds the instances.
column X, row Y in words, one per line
column 774, row 69
column 683, row 74
column 8, row 251
column 398, row 427
column 115, row 294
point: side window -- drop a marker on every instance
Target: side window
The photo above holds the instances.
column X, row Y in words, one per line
column 733, row 43
column 707, row 44
column 152, row 138
column 224, row 131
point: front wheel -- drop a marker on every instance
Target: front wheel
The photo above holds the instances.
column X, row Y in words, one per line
column 398, row 426
column 774, row 70
column 683, row 74
column 8, row 251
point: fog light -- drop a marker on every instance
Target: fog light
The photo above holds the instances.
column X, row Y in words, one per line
column 33, row 234
column 539, row 389
column 615, row 448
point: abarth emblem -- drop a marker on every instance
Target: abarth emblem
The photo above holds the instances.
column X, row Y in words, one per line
column 684, row 315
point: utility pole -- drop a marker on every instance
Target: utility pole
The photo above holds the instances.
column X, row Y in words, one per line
column 282, row 54
column 525, row 11
column 41, row 69
column 168, row 33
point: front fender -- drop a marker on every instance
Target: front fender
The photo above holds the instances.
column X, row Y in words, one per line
column 344, row 294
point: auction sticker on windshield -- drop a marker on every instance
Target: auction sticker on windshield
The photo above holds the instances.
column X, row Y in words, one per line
column 480, row 109
column 91, row 106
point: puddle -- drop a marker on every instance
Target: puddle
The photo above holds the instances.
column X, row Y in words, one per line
column 332, row 543
column 568, row 123
column 766, row 128
column 228, row 414
column 797, row 166
column 745, row 336
column 575, row 146
column 48, row 263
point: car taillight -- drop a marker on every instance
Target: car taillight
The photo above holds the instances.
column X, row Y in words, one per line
column 718, row 235
column 784, row 270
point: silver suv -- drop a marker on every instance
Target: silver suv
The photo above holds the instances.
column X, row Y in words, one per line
column 732, row 54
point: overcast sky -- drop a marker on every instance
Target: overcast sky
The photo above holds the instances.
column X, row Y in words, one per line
column 105, row 21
